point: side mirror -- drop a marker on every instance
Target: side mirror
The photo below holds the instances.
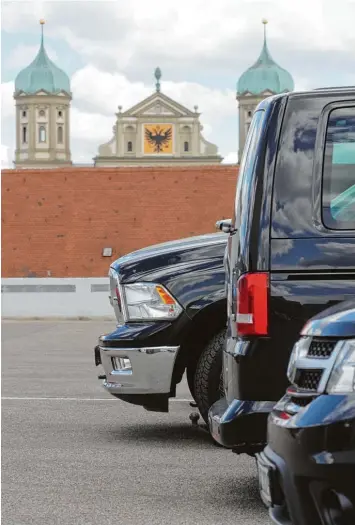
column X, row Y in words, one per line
column 225, row 226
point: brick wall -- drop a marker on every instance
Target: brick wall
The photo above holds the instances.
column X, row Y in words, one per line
column 56, row 222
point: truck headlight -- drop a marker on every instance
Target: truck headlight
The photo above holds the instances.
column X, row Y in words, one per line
column 149, row 301
column 342, row 377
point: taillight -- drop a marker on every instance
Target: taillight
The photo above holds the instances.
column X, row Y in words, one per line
column 252, row 304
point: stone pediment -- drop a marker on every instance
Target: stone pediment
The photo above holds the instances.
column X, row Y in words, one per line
column 157, row 105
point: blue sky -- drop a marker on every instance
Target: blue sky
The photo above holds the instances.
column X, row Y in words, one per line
column 111, row 48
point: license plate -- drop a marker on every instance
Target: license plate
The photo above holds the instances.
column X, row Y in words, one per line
column 264, row 473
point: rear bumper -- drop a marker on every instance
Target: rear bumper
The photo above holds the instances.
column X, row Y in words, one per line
column 241, row 425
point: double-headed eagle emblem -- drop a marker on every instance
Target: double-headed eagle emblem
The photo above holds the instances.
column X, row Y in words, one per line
column 158, row 138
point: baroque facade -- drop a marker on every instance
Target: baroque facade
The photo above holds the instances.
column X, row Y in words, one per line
column 156, row 131
column 159, row 131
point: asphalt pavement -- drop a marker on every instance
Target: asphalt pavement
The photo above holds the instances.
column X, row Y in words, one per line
column 73, row 455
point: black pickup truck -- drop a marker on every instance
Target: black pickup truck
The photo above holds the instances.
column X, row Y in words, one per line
column 291, row 249
column 170, row 304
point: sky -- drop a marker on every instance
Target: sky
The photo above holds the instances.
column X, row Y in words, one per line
column 110, row 49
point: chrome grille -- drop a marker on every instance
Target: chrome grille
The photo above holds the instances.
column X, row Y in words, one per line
column 308, row 379
column 321, row 348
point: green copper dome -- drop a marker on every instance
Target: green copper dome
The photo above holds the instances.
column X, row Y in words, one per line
column 42, row 74
column 265, row 75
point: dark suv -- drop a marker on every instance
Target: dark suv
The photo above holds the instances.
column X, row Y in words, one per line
column 307, row 470
column 291, row 249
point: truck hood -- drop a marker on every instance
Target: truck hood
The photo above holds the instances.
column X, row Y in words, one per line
column 190, row 250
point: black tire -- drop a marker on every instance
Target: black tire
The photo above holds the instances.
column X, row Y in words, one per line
column 208, row 386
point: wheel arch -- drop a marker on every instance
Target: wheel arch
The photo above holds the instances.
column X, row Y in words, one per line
column 205, row 324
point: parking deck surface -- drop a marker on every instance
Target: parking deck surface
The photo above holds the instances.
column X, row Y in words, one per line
column 73, row 455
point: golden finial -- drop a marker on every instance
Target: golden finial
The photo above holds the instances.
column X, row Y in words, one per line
column 42, row 21
column 264, row 21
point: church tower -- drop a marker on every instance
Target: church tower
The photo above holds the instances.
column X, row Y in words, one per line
column 42, row 97
column 261, row 80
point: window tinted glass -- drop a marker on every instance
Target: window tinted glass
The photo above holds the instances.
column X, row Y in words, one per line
column 247, row 165
column 339, row 170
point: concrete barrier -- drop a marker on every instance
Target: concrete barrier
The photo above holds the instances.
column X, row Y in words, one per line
column 56, row 298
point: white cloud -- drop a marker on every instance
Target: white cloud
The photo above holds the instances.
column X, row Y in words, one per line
column 187, row 31
column 7, row 101
column 5, row 157
column 231, row 158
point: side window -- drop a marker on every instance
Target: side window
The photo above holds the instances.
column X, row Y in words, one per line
column 338, row 196
column 247, row 165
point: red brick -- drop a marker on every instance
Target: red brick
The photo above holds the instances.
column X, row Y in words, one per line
column 59, row 220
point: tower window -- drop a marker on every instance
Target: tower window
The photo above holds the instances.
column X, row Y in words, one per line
column 60, row 135
column 186, row 146
column 24, row 114
column 42, row 113
column 60, row 114
column 129, row 146
column 24, row 134
column 42, row 134
column 249, row 114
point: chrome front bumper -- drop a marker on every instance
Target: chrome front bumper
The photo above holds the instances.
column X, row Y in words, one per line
column 150, row 371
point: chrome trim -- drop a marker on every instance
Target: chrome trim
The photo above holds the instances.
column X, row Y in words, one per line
column 300, row 393
column 152, row 369
column 115, row 280
column 311, row 363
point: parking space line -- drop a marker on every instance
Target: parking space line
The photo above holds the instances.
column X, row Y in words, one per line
column 7, row 398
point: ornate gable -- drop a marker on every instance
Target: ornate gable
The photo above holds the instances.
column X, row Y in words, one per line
column 158, row 104
column 157, row 130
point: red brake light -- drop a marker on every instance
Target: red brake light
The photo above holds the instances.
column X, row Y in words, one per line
column 252, row 304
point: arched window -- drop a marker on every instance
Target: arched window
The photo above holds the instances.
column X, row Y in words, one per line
column 42, row 134
column 60, row 114
column 60, row 135
column 24, row 134
column 129, row 146
column 24, row 114
column 186, row 146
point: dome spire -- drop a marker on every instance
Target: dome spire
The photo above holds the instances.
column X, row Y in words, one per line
column 265, row 56
column 265, row 75
column 42, row 22
column 42, row 74
column 264, row 22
